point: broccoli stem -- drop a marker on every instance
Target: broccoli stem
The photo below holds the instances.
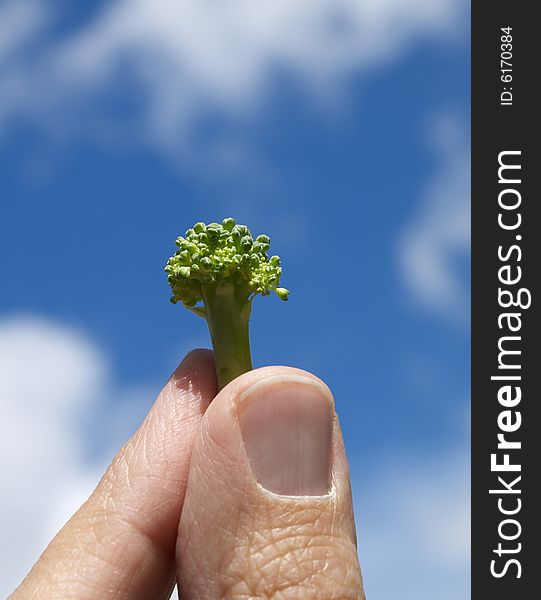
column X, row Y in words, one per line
column 228, row 316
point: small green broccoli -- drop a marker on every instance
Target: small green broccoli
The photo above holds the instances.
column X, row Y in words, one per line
column 216, row 272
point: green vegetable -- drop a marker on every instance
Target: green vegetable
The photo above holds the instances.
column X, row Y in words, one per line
column 216, row 272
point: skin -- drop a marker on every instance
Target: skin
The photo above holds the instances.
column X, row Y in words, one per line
column 179, row 503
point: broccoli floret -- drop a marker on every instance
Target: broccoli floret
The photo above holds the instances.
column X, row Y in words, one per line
column 216, row 272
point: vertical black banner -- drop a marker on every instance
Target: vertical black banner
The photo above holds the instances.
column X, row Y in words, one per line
column 506, row 269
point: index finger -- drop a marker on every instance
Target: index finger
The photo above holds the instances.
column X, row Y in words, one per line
column 121, row 543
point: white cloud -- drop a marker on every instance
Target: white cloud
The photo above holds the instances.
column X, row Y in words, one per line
column 51, row 378
column 19, row 22
column 415, row 520
column 414, row 528
column 438, row 237
column 194, row 57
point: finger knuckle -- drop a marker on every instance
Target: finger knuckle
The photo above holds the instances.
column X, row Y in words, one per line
column 294, row 562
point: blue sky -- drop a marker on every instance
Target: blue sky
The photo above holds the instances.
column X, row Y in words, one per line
column 351, row 153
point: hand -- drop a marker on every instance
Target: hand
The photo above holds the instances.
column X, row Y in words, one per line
column 246, row 496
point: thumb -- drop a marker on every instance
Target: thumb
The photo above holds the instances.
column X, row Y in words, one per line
column 268, row 510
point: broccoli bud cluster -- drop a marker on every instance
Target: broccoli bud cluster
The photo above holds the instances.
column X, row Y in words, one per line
column 222, row 255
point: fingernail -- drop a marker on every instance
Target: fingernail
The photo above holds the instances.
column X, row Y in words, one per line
column 286, row 427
